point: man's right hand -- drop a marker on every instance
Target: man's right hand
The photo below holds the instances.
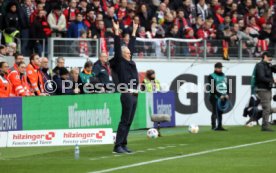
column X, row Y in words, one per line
column 274, row 80
column 116, row 27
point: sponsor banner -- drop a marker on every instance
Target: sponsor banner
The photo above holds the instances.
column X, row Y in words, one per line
column 78, row 111
column 10, row 114
column 3, row 139
column 164, row 104
column 191, row 103
column 59, row 137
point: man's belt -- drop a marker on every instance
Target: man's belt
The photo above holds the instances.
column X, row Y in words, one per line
column 133, row 92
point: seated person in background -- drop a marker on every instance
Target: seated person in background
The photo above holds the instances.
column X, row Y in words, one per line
column 74, row 76
column 5, row 85
column 18, row 79
column 63, row 83
column 59, row 63
column 11, row 49
column 34, row 75
column 17, row 59
column 3, row 52
column 102, row 70
column 85, row 77
column 150, row 83
column 47, row 80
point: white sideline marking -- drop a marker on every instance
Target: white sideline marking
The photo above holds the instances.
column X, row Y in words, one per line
column 94, row 159
column 182, row 156
column 104, row 157
column 140, row 151
column 151, row 149
column 171, row 146
column 182, row 144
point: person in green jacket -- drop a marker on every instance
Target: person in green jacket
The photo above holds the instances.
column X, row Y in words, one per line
column 219, row 92
column 85, row 77
column 150, row 83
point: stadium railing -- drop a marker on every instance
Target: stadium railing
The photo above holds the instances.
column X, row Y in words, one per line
column 72, row 48
column 166, row 48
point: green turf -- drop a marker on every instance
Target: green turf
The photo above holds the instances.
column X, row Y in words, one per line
column 176, row 141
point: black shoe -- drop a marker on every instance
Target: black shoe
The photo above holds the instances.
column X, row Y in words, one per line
column 220, row 129
column 119, row 150
column 213, row 125
column 267, row 130
column 127, row 149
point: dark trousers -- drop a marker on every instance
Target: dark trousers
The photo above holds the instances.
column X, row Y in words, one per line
column 265, row 97
column 129, row 103
column 25, row 36
column 216, row 116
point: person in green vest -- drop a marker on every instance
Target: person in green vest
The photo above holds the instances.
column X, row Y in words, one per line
column 218, row 93
column 150, row 83
column 85, row 77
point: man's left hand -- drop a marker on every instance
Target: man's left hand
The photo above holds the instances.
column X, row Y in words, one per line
column 135, row 28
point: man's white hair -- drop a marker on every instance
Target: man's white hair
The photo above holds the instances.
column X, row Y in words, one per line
column 75, row 69
column 123, row 48
column 12, row 44
column 59, row 58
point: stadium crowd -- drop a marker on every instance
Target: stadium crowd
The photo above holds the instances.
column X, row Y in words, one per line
column 222, row 22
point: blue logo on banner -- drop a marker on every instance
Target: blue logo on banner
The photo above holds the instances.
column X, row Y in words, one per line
column 10, row 114
column 163, row 103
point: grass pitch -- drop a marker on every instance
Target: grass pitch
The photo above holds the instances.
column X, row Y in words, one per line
column 175, row 142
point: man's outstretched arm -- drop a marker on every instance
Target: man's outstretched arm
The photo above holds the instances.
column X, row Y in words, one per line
column 117, row 42
column 132, row 41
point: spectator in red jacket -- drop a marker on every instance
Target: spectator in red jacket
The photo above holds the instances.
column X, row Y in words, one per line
column 180, row 21
column 71, row 12
column 90, row 19
column 40, row 30
column 100, row 30
column 192, row 47
column 219, row 18
column 122, row 11
column 33, row 16
column 127, row 21
column 82, row 7
column 96, row 6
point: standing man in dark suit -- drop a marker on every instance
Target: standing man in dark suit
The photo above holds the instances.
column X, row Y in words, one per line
column 125, row 68
column 264, row 83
